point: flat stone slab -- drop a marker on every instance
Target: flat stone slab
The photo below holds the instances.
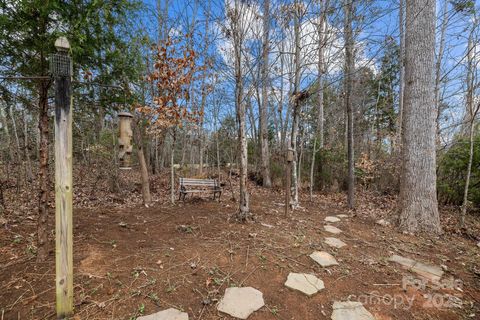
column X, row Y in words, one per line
column 324, row 259
column 350, row 310
column 383, row 222
column 168, row 314
column 304, row 282
column 432, row 273
column 332, row 229
column 342, row 216
column 334, row 242
column 332, row 219
column 241, row 302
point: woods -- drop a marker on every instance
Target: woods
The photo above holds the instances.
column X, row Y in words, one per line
column 292, row 110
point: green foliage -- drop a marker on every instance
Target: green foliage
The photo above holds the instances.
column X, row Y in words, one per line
column 227, row 135
column 104, row 46
column 384, row 87
column 466, row 6
column 332, row 167
column 452, row 173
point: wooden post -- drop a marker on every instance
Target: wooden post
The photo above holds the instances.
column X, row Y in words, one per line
column 288, row 176
column 61, row 70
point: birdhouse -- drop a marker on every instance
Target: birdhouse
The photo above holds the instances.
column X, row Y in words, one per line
column 290, row 155
column 125, row 145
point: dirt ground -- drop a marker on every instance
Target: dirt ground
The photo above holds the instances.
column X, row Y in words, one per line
column 132, row 261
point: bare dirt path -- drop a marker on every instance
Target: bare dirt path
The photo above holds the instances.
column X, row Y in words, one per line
column 130, row 262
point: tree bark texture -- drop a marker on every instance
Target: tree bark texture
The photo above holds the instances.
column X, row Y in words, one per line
column 418, row 193
column 349, row 68
column 265, row 153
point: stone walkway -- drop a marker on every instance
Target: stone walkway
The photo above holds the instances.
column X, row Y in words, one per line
column 241, row 302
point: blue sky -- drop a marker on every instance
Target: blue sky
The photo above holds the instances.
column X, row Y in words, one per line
column 371, row 39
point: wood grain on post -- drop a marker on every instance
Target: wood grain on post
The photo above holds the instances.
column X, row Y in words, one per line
column 63, row 196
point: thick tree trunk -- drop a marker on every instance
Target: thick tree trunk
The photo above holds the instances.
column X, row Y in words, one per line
column 265, row 152
column 42, row 224
column 349, row 68
column 418, row 194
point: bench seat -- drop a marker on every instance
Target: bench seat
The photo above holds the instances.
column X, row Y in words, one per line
column 188, row 185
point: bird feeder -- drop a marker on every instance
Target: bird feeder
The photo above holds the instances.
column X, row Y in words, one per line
column 125, row 145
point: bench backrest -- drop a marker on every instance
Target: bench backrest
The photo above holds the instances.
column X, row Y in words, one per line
column 198, row 182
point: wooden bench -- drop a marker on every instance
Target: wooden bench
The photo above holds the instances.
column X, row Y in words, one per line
column 199, row 185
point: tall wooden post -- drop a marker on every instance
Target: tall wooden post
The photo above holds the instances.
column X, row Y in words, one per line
column 61, row 68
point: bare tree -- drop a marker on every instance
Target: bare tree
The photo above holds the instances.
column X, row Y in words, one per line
column 238, row 28
column 265, row 154
column 295, row 102
column 418, row 194
column 321, row 71
column 471, row 113
column 349, row 68
column 401, row 80
column 438, row 71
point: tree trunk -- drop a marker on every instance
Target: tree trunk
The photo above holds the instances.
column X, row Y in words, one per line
column 467, row 181
column 17, row 150
column 42, row 224
column 438, row 65
column 401, row 61
column 172, row 167
column 201, row 134
column 296, row 108
column 238, row 37
column 349, row 68
column 265, row 153
column 146, row 196
column 28, row 162
column 321, row 70
column 418, row 194
column 471, row 111
column 312, row 166
column 4, row 122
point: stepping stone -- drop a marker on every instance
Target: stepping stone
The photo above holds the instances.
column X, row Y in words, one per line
column 383, row 222
column 332, row 229
column 305, row 283
column 334, row 242
column 342, row 216
column 324, row 259
column 169, row 314
column 350, row 310
column 432, row 273
column 331, row 219
column 241, row 302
